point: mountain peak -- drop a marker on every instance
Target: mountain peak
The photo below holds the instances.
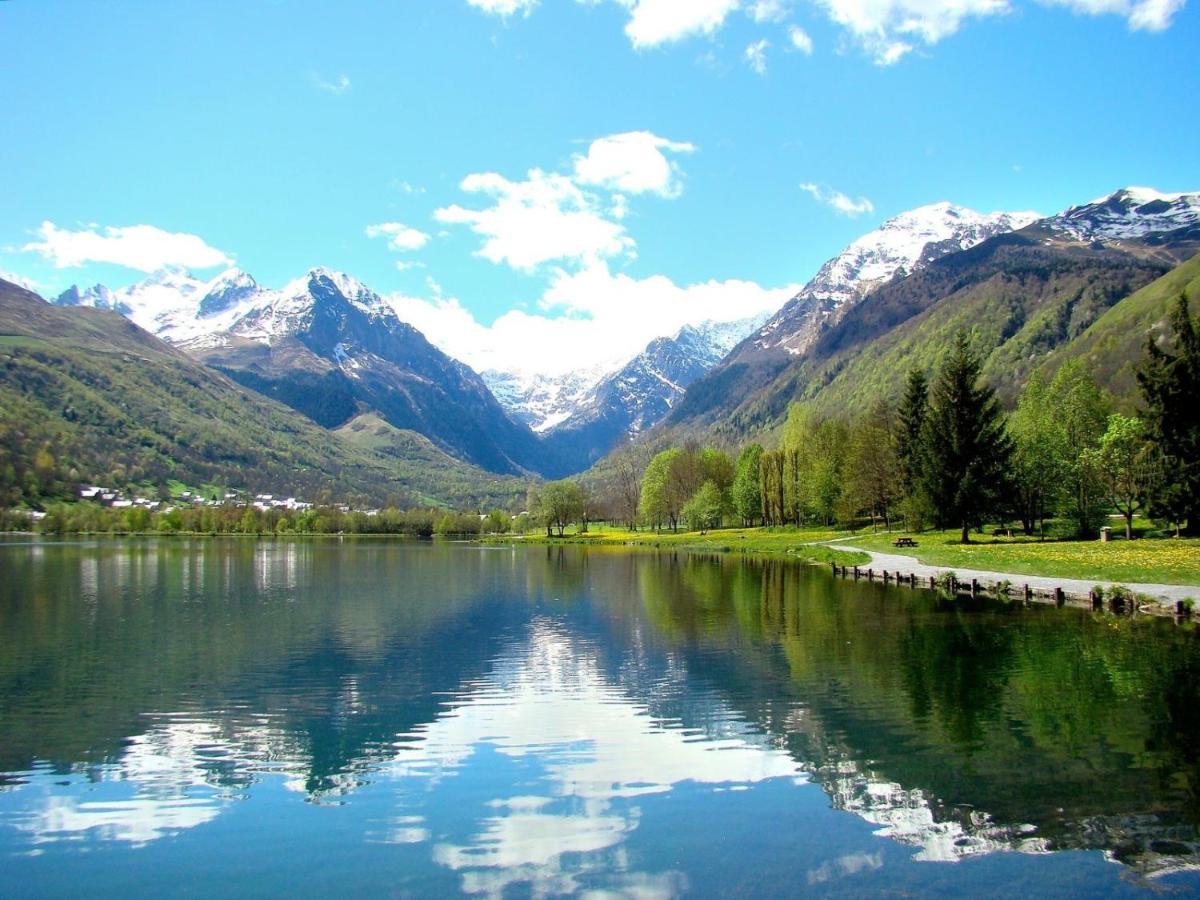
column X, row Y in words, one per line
column 1130, row 213
column 903, row 244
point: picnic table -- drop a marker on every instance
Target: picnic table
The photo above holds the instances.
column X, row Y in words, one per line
column 904, row 542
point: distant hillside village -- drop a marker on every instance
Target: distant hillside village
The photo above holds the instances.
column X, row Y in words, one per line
column 117, row 499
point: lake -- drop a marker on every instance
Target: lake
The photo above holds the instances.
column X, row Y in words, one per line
column 239, row 717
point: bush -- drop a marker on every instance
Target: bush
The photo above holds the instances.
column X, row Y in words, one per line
column 946, row 582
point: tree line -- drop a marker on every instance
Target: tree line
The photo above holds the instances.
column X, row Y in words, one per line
column 946, row 455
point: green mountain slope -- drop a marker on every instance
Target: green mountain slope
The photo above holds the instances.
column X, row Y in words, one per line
column 1115, row 344
column 1022, row 299
column 86, row 396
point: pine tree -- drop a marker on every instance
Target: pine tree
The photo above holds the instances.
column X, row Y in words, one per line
column 1170, row 383
column 967, row 450
column 914, row 409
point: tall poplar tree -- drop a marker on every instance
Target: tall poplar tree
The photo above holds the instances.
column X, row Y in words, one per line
column 968, row 453
column 747, row 484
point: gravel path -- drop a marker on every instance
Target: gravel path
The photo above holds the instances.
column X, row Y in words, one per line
column 893, row 562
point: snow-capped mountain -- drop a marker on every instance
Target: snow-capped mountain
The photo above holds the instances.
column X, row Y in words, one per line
column 900, row 246
column 542, row 401
column 1132, row 213
column 637, row 396
column 331, row 348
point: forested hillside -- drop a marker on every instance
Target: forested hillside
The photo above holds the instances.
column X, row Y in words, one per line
column 88, row 397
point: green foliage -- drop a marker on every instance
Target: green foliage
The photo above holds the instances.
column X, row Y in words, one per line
column 1041, row 456
column 967, row 451
column 873, row 470
column 660, row 499
column 747, row 484
column 452, row 523
column 804, row 479
column 87, row 398
column 1080, row 411
column 676, row 474
column 562, row 503
column 1121, row 463
column 910, row 452
column 1170, row 384
column 704, row 509
column 90, row 518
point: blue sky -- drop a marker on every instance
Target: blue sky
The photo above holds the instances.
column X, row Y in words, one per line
column 640, row 162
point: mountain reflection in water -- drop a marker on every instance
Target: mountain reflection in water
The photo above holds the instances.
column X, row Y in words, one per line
column 554, row 721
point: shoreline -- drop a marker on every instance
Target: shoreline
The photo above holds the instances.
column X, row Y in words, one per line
column 726, row 542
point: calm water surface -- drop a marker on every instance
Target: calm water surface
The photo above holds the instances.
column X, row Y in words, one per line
column 199, row 717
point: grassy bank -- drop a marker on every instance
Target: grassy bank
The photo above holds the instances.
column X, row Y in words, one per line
column 1150, row 560
column 803, row 543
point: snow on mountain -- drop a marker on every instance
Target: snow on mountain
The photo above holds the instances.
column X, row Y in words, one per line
column 638, row 395
column 1132, row 213
column 650, row 382
column 899, row 246
column 646, row 388
column 543, row 401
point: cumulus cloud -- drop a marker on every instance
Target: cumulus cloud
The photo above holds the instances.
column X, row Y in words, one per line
column 655, row 22
column 585, row 319
column 504, row 8
column 634, row 162
column 338, row 85
column 141, row 247
column 800, row 40
column 762, row 11
column 1146, row 15
column 838, row 201
column 756, row 56
column 18, row 280
column 544, row 218
column 399, row 236
column 889, row 29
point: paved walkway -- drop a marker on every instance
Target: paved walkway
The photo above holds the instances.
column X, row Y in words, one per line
column 896, row 562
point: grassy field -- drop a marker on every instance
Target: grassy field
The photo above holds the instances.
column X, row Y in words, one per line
column 803, row 543
column 1149, row 560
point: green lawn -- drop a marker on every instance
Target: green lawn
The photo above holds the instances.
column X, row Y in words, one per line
column 1148, row 560
column 799, row 542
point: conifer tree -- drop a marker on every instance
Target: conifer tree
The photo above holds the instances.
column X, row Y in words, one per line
column 910, row 454
column 967, row 450
column 1170, row 383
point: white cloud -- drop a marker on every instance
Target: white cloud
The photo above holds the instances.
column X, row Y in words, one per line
column 543, row 218
column 762, row 11
column 889, row 29
column 399, row 236
column 838, row 201
column 406, row 187
column 1146, row 15
column 633, row 162
column 504, row 8
column 18, row 280
column 338, row 85
column 585, row 319
column 800, row 40
column 141, row 247
column 655, row 22
column 756, row 56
